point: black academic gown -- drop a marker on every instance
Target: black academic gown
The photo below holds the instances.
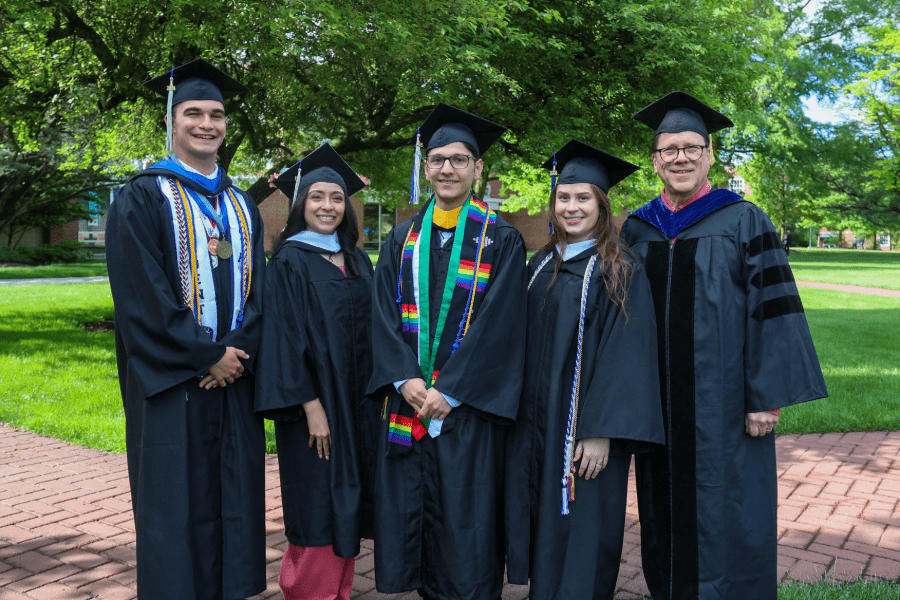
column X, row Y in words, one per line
column 195, row 457
column 316, row 343
column 733, row 340
column 578, row 555
column 439, row 508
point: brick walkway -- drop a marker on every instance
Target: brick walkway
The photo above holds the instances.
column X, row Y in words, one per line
column 66, row 530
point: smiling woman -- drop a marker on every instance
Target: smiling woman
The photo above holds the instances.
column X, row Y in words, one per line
column 314, row 363
column 578, row 367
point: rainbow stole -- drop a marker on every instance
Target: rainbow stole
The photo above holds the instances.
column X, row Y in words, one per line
column 472, row 282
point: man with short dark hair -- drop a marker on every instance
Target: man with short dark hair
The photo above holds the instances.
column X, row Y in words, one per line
column 449, row 301
column 734, row 347
column 185, row 255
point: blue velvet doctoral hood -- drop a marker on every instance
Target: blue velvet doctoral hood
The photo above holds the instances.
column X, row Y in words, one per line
column 671, row 223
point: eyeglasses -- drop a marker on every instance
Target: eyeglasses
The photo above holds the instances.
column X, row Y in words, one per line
column 671, row 154
column 457, row 161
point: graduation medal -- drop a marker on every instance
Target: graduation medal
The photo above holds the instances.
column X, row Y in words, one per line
column 222, row 249
column 212, row 246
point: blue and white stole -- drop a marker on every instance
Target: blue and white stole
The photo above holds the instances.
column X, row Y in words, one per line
column 194, row 222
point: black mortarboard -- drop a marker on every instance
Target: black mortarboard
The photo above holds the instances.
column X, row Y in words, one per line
column 447, row 124
column 322, row 164
column 578, row 162
column 196, row 80
column 679, row 111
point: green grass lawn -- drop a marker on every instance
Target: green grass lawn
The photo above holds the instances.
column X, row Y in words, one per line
column 856, row 339
column 830, row 590
column 58, row 379
column 870, row 268
column 827, row 590
column 94, row 268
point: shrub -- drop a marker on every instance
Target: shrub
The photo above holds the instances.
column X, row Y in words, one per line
column 66, row 251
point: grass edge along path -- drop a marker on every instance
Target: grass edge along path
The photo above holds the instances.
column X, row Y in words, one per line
column 866, row 268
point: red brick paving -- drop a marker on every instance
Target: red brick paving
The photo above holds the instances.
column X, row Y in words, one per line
column 66, row 530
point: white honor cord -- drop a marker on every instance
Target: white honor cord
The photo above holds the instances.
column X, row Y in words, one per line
column 572, row 425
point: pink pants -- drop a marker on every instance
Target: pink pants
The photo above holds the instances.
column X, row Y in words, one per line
column 315, row 574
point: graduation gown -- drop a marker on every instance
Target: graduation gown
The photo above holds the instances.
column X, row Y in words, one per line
column 316, row 343
column 195, row 457
column 733, row 339
column 578, row 555
column 439, row 507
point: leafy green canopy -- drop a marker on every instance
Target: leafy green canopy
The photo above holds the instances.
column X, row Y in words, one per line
column 363, row 74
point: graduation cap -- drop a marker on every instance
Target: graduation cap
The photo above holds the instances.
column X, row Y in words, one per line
column 196, row 80
column 322, row 164
column 445, row 125
column 580, row 163
column 679, row 111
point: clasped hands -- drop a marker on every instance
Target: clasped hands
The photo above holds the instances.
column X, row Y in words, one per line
column 429, row 403
column 227, row 370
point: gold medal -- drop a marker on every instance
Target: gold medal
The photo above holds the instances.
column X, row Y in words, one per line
column 224, row 250
column 212, row 246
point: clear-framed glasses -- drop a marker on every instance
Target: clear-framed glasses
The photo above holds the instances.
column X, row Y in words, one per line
column 671, row 154
column 457, row 161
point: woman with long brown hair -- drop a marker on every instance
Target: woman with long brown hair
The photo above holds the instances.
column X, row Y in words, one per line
column 591, row 395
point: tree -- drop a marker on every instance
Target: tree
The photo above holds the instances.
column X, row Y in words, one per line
column 363, row 74
column 37, row 190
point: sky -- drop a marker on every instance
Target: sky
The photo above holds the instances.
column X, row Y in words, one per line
column 824, row 112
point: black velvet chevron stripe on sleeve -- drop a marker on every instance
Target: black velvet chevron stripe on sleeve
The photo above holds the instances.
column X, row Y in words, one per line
column 777, row 307
column 772, row 276
column 764, row 241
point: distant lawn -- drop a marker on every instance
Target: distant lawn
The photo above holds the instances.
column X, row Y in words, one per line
column 59, row 380
column 94, row 268
column 869, row 268
column 856, row 339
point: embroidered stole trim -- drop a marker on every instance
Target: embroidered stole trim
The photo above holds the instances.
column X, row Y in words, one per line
column 195, row 264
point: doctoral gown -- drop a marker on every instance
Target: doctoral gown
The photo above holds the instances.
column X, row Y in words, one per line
column 733, row 339
column 195, row 456
column 316, row 343
column 578, row 555
column 439, row 506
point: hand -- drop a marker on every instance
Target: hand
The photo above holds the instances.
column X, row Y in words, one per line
column 593, row 454
column 414, row 392
column 435, row 405
column 319, row 432
column 226, row 370
column 760, row 423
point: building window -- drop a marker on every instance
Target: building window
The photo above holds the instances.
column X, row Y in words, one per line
column 736, row 185
column 94, row 207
